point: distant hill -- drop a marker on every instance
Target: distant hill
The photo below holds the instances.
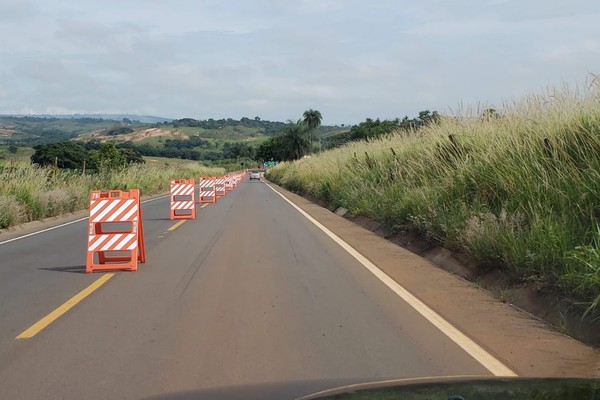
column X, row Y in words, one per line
column 209, row 140
column 30, row 131
column 145, row 119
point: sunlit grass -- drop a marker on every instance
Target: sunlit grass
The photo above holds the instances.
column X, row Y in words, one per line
column 520, row 192
column 29, row 193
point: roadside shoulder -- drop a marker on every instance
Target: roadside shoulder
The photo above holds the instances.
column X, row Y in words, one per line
column 525, row 344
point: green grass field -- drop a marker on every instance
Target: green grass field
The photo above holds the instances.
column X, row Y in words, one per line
column 163, row 161
column 22, row 154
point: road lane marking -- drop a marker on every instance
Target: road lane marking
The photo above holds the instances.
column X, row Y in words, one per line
column 204, row 205
column 65, row 224
column 177, row 225
column 463, row 341
column 72, row 302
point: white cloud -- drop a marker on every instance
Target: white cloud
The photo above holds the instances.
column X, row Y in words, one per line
column 275, row 58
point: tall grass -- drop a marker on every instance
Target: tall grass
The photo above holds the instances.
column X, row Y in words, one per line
column 29, row 193
column 520, row 192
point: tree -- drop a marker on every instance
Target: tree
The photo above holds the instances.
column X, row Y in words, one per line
column 119, row 130
column 93, row 144
column 427, row 117
column 490, row 114
column 131, row 153
column 12, row 149
column 295, row 141
column 312, row 118
column 108, row 157
column 373, row 129
column 65, row 154
column 270, row 149
column 237, row 150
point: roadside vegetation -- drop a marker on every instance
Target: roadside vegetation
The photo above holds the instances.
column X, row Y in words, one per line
column 294, row 141
column 29, row 192
column 518, row 190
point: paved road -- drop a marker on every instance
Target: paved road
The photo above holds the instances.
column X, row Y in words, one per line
column 250, row 293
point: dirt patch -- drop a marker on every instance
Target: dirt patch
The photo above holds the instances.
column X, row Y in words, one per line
column 154, row 132
column 134, row 136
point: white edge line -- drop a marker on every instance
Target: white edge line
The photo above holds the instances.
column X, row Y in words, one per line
column 65, row 224
column 467, row 344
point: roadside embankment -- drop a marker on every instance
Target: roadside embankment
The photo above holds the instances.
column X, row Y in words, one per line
column 518, row 193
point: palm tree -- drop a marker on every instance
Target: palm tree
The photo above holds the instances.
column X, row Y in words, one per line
column 312, row 118
column 294, row 141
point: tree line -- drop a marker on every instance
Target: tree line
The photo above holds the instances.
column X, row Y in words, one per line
column 93, row 155
column 293, row 141
column 270, row 128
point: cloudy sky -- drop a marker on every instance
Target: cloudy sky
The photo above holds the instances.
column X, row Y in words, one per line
column 350, row 59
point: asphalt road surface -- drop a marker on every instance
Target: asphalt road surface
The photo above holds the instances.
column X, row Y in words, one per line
column 250, row 296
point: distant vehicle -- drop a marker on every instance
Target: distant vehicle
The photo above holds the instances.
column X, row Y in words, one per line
column 255, row 175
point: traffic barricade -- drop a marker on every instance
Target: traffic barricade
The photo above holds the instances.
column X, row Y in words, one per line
column 183, row 204
column 115, row 231
column 229, row 183
column 239, row 177
column 220, row 190
column 207, row 190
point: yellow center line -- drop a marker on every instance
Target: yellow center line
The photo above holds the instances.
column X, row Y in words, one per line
column 72, row 302
column 177, row 225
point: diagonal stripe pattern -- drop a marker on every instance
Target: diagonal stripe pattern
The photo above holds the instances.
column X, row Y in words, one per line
column 182, row 188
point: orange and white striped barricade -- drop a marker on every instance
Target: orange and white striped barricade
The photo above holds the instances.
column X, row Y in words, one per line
column 229, row 183
column 183, row 204
column 220, row 190
column 207, row 190
column 115, row 231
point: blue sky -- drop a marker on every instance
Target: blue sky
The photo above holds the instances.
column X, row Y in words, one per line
column 274, row 59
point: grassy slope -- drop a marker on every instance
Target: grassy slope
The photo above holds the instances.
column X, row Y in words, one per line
column 23, row 154
column 30, row 130
column 520, row 193
column 217, row 137
column 37, row 130
column 328, row 131
column 166, row 162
